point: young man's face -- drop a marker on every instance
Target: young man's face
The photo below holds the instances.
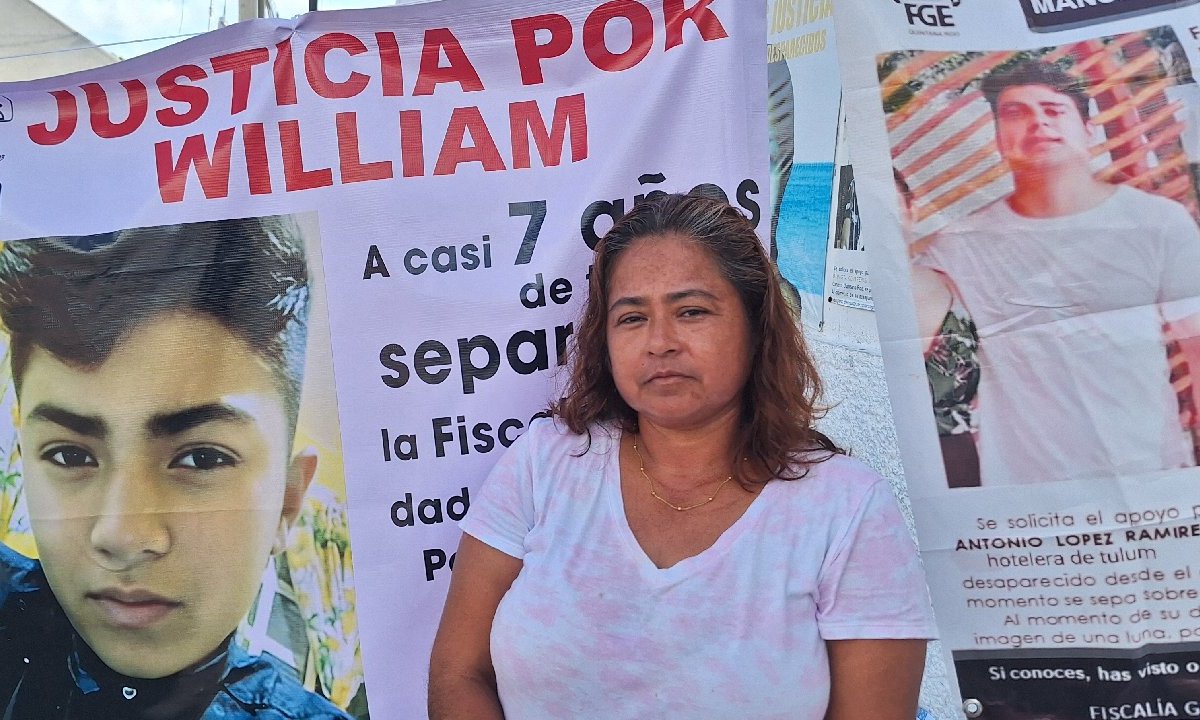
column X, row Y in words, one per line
column 1039, row 128
column 157, row 485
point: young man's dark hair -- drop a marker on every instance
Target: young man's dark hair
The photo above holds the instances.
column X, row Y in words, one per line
column 77, row 297
column 1035, row 72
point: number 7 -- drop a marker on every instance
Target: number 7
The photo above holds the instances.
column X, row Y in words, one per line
column 536, row 211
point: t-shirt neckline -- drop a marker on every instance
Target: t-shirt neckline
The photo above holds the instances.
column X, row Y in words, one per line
column 1069, row 220
column 690, row 565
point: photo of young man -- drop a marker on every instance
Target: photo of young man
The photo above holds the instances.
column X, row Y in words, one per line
column 158, row 374
column 1070, row 281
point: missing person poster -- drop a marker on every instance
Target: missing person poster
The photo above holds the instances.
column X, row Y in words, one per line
column 847, row 276
column 275, row 299
column 817, row 238
column 803, row 104
column 1031, row 169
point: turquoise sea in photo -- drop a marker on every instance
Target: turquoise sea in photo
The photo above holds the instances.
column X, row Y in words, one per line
column 802, row 237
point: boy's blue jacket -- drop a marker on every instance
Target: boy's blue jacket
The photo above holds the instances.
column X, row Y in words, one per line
column 42, row 677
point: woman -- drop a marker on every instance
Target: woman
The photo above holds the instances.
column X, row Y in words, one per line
column 951, row 356
column 952, row 368
column 678, row 541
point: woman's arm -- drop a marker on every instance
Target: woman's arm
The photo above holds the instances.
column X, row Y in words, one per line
column 931, row 293
column 877, row 679
column 462, row 684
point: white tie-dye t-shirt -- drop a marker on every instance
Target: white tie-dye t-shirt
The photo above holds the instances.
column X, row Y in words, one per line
column 591, row 628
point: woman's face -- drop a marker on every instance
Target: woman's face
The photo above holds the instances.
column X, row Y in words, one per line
column 678, row 335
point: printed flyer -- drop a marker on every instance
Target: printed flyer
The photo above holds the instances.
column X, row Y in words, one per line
column 847, row 275
column 817, row 240
column 277, row 297
column 803, row 104
column 1030, row 170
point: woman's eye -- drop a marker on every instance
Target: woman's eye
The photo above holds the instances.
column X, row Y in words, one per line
column 69, row 456
column 205, row 458
column 628, row 319
column 693, row 312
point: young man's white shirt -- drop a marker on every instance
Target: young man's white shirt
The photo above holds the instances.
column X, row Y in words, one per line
column 1070, row 311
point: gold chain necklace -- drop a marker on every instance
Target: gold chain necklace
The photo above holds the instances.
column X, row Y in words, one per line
column 663, row 500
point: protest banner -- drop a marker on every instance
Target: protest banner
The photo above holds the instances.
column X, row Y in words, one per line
column 817, row 237
column 1029, row 170
column 803, row 110
column 412, row 193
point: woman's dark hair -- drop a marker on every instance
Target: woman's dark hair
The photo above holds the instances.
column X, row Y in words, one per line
column 776, row 437
column 902, row 187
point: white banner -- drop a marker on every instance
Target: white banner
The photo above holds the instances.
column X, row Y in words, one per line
column 448, row 166
column 1029, row 167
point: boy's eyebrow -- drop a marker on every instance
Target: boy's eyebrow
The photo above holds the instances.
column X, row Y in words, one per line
column 173, row 423
column 162, row 425
column 676, row 296
column 86, row 425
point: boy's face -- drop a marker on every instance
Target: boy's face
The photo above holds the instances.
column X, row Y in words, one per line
column 1039, row 128
column 158, row 484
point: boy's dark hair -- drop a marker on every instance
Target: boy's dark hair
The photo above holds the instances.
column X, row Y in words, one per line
column 1035, row 72
column 78, row 297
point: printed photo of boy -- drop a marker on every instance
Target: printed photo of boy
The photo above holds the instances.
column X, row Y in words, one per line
column 158, row 374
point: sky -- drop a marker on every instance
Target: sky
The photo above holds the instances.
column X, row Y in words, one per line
column 122, row 21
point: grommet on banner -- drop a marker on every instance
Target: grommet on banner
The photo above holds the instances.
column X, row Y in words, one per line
column 972, row 707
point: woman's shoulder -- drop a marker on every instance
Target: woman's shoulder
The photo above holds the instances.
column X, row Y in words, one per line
column 549, row 443
column 547, row 438
column 838, row 467
column 547, row 460
column 836, row 494
column 837, row 478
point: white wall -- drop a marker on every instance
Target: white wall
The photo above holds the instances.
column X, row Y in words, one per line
column 860, row 419
column 34, row 44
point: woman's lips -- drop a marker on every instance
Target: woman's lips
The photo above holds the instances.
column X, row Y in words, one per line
column 665, row 376
column 132, row 609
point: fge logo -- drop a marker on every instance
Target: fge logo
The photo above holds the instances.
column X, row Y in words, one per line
column 932, row 13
